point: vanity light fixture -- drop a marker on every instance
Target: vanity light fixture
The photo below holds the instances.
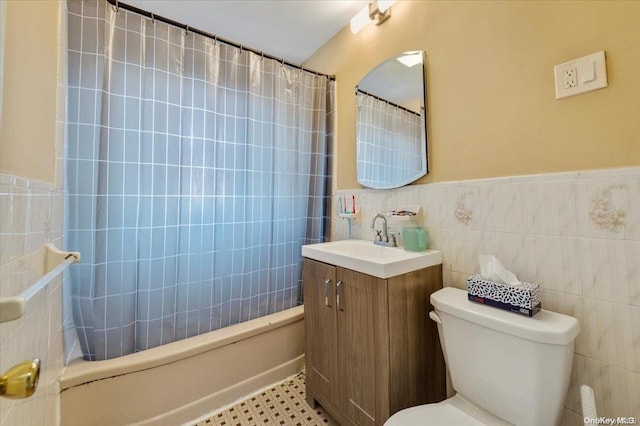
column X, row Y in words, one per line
column 377, row 12
column 410, row 59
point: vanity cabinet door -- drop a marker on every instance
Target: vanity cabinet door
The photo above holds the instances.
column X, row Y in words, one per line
column 370, row 348
column 320, row 329
column 360, row 303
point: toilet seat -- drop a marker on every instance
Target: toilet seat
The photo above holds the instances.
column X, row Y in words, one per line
column 453, row 411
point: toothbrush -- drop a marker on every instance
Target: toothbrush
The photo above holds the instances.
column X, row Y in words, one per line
column 353, row 203
column 340, row 201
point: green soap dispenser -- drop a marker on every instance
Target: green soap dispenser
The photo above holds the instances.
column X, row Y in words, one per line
column 415, row 238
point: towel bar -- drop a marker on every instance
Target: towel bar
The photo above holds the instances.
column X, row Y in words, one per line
column 55, row 261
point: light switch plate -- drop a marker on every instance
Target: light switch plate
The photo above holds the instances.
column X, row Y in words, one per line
column 591, row 73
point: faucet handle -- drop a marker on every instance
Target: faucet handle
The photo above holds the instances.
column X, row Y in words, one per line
column 378, row 236
column 393, row 236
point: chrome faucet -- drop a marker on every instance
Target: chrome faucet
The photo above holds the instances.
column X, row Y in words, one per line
column 383, row 240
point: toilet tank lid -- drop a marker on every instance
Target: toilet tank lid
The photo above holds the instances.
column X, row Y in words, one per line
column 544, row 327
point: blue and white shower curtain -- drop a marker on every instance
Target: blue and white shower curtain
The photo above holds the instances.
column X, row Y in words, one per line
column 195, row 172
column 391, row 142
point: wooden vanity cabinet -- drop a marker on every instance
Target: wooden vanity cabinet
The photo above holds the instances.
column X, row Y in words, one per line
column 371, row 349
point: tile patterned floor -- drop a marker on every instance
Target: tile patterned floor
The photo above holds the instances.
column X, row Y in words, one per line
column 282, row 405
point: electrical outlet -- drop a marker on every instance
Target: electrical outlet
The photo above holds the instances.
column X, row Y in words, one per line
column 570, row 78
column 581, row 75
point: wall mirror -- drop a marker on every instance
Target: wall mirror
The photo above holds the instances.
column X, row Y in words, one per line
column 391, row 123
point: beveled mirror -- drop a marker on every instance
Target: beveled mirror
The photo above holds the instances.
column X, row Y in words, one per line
column 391, row 123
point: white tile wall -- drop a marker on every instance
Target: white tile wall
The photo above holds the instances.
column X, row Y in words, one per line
column 31, row 217
column 576, row 234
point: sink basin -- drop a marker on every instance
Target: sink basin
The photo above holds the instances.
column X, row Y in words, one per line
column 364, row 256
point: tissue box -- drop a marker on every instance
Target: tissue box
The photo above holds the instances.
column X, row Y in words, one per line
column 524, row 300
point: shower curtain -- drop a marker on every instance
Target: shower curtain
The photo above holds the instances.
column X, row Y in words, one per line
column 195, row 172
column 390, row 142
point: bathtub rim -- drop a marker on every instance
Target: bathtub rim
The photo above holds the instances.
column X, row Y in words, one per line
column 80, row 372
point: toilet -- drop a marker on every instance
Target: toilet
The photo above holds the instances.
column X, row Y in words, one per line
column 506, row 369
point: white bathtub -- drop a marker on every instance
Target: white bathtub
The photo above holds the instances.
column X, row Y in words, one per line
column 182, row 381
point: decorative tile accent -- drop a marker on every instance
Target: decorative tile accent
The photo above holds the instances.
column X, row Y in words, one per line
column 282, row 405
column 604, row 214
column 462, row 213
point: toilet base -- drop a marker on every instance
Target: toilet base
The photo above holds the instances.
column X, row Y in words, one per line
column 453, row 411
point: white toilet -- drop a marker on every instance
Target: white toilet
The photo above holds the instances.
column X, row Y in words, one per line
column 506, row 368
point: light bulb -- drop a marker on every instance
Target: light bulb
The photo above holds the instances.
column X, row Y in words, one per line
column 383, row 5
column 360, row 21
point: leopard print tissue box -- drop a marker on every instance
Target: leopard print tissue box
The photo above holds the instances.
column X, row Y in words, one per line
column 524, row 300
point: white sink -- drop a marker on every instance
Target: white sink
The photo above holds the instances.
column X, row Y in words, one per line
column 364, row 256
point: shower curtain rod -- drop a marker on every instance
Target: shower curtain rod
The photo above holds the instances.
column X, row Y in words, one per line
column 117, row 5
column 387, row 101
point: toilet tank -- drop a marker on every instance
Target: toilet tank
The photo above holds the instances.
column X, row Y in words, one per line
column 515, row 367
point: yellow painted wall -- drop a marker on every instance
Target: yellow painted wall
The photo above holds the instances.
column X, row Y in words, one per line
column 28, row 134
column 491, row 97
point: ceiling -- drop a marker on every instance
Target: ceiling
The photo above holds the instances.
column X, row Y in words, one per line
column 288, row 29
